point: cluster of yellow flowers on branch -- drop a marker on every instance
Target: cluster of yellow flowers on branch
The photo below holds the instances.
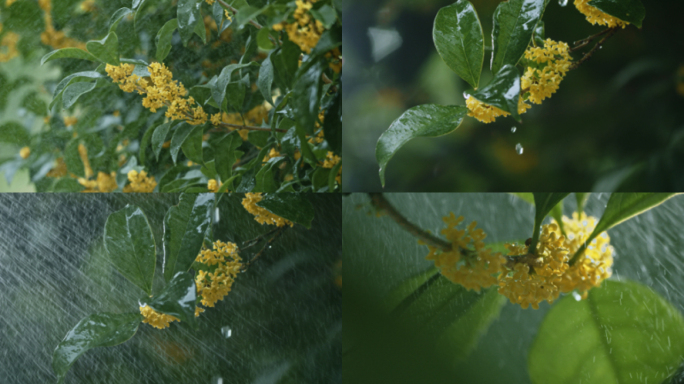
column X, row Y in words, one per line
column 305, row 31
column 262, row 215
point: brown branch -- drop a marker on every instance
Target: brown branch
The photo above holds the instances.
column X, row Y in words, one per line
column 581, row 43
column 267, row 245
column 379, row 201
column 226, row 5
column 609, row 32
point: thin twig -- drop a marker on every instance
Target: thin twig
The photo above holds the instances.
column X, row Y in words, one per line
column 581, row 43
column 267, row 245
column 238, row 126
column 256, row 240
column 379, row 201
column 254, row 23
column 587, row 56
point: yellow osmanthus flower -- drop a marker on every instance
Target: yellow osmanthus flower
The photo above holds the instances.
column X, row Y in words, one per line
column 70, row 120
column 198, row 310
column 271, row 154
column 104, row 183
column 262, row 215
column 214, row 286
column 488, row 113
column 543, row 82
column 8, row 3
column 87, row 6
column 594, row 264
column 83, row 152
column 8, row 46
column 140, row 182
column 59, row 170
column 473, row 269
column 160, row 91
column 52, row 37
column 331, row 161
column 213, row 185
column 595, row 16
column 536, row 278
column 25, row 152
column 255, row 117
column 156, row 319
column 305, row 31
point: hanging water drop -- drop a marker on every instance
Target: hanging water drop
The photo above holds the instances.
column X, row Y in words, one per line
column 465, row 95
column 513, row 129
column 576, row 295
column 226, row 332
column 562, row 3
column 519, row 148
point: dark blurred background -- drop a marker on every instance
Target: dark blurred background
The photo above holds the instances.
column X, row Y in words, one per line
column 616, row 123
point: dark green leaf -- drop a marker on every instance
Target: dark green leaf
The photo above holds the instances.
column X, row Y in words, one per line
column 622, row 333
column 325, row 14
column 163, row 39
column 116, row 18
column 332, row 124
column 329, row 40
column 543, row 204
column 192, row 146
column 307, row 153
column 130, row 244
column 503, row 91
column 459, row 40
column 295, row 207
column 188, row 15
column 265, row 80
column 159, row 138
column 218, row 93
column 514, row 23
column 264, row 39
column 67, row 184
column 319, row 180
column 34, row 103
column 307, row 94
column 407, row 288
column 632, row 11
column 247, row 13
column 72, row 159
column 106, row 50
column 75, row 90
column 235, row 92
column 428, row 120
column 97, row 330
column 285, row 64
column 177, row 299
column 332, row 178
column 14, row 133
column 144, row 143
column 184, row 227
column 180, row 134
column 68, row 53
column 201, row 31
column 225, row 155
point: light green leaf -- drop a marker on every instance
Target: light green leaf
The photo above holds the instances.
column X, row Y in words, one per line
column 623, row 333
column 247, row 13
column 116, row 18
column 130, row 244
column 503, row 91
column 514, row 23
column 159, row 137
column 581, row 198
column 459, row 40
column 428, row 120
column 295, row 207
column 106, row 50
column 69, row 80
column 188, row 15
column 97, row 330
column 177, row 299
column 76, row 90
column 163, row 39
column 263, row 39
column 184, row 227
column 68, row 53
column 632, row 11
column 14, row 133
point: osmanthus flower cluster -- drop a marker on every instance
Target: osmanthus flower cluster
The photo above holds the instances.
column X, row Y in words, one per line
column 524, row 277
column 595, row 16
column 262, row 215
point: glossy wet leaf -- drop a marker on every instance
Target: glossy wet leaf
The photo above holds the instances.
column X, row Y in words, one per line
column 218, row 93
column 97, row 330
column 503, row 91
column 544, row 203
column 106, row 50
column 188, row 14
column 295, row 207
column 180, row 134
column 163, row 39
column 514, row 23
column 76, row 90
column 265, row 179
column 184, row 228
column 332, row 124
column 59, row 90
column 459, row 40
column 116, row 18
column 428, row 120
column 265, row 79
column 192, row 145
column 68, row 53
column 623, row 333
column 227, row 155
column 177, row 299
column 159, row 138
column 307, row 94
column 556, row 212
column 130, row 245
column 142, row 153
column 632, row 11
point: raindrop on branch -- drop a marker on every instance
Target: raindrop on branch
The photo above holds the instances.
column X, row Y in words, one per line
column 519, row 148
column 562, row 3
column 226, row 332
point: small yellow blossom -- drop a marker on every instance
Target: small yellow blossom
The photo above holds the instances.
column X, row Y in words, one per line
column 59, row 170
column 305, row 31
column 331, row 160
column 156, row 319
column 214, row 286
column 488, row 113
column 140, row 182
column 270, row 155
column 104, row 183
column 262, row 215
column 198, row 310
column 542, row 83
column 87, row 5
column 8, row 46
column 595, row 16
column 213, row 185
column 70, row 120
column 83, row 152
column 25, row 152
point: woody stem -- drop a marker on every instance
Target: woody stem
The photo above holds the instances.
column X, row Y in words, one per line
column 609, row 32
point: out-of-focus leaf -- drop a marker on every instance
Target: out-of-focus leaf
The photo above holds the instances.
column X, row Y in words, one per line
column 219, row 91
column 459, row 40
column 514, row 23
column 264, row 39
column 142, row 154
column 163, row 39
column 325, row 14
column 130, row 244
column 184, row 227
column 622, row 333
column 14, row 133
column 632, row 11
column 72, row 159
column 76, row 90
column 116, row 18
column 428, row 120
column 97, row 330
column 581, row 198
column 247, row 13
column 106, row 50
column 503, row 91
column 295, row 207
column 188, row 15
column 68, row 53
column 177, row 299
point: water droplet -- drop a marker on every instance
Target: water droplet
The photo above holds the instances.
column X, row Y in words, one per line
column 519, row 148
column 562, row 3
column 576, row 295
column 226, row 332
column 513, row 129
column 465, row 95
column 600, row 46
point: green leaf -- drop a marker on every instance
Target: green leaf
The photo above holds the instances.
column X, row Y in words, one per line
column 67, row 184
column 307, row 153
column 332, row 177
column 247, row 13
column 116, row 18
column 218, row 93
column 622, row 207
column 265, row 80
column 263, row 39
column 192, row 145
column 632, row 11
column 332, row 124
column 14, row 133
column 503, row 91
column 72, row 159
column 622, row 333
column 581, row 198
column 144, row 143
column 543, row 204
column 428, row 120
column 307, row 94
column 68, row 53
column 326, row 15
column 184, row 227
column 514, row 23
column 407, row 288
column 35, row 104
column 295, row 207
column 459, row 40
column 177, row 299
column 188, row 15
column 201, row 31
column 130, row 244
column 225, row 154
column 180, row 134
column 59, row 90
column 159, row 138
column 97, row 330
column 106, row 50
column 285, row 64
column 235, row 92
column 75, row 90
column 163, row 39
